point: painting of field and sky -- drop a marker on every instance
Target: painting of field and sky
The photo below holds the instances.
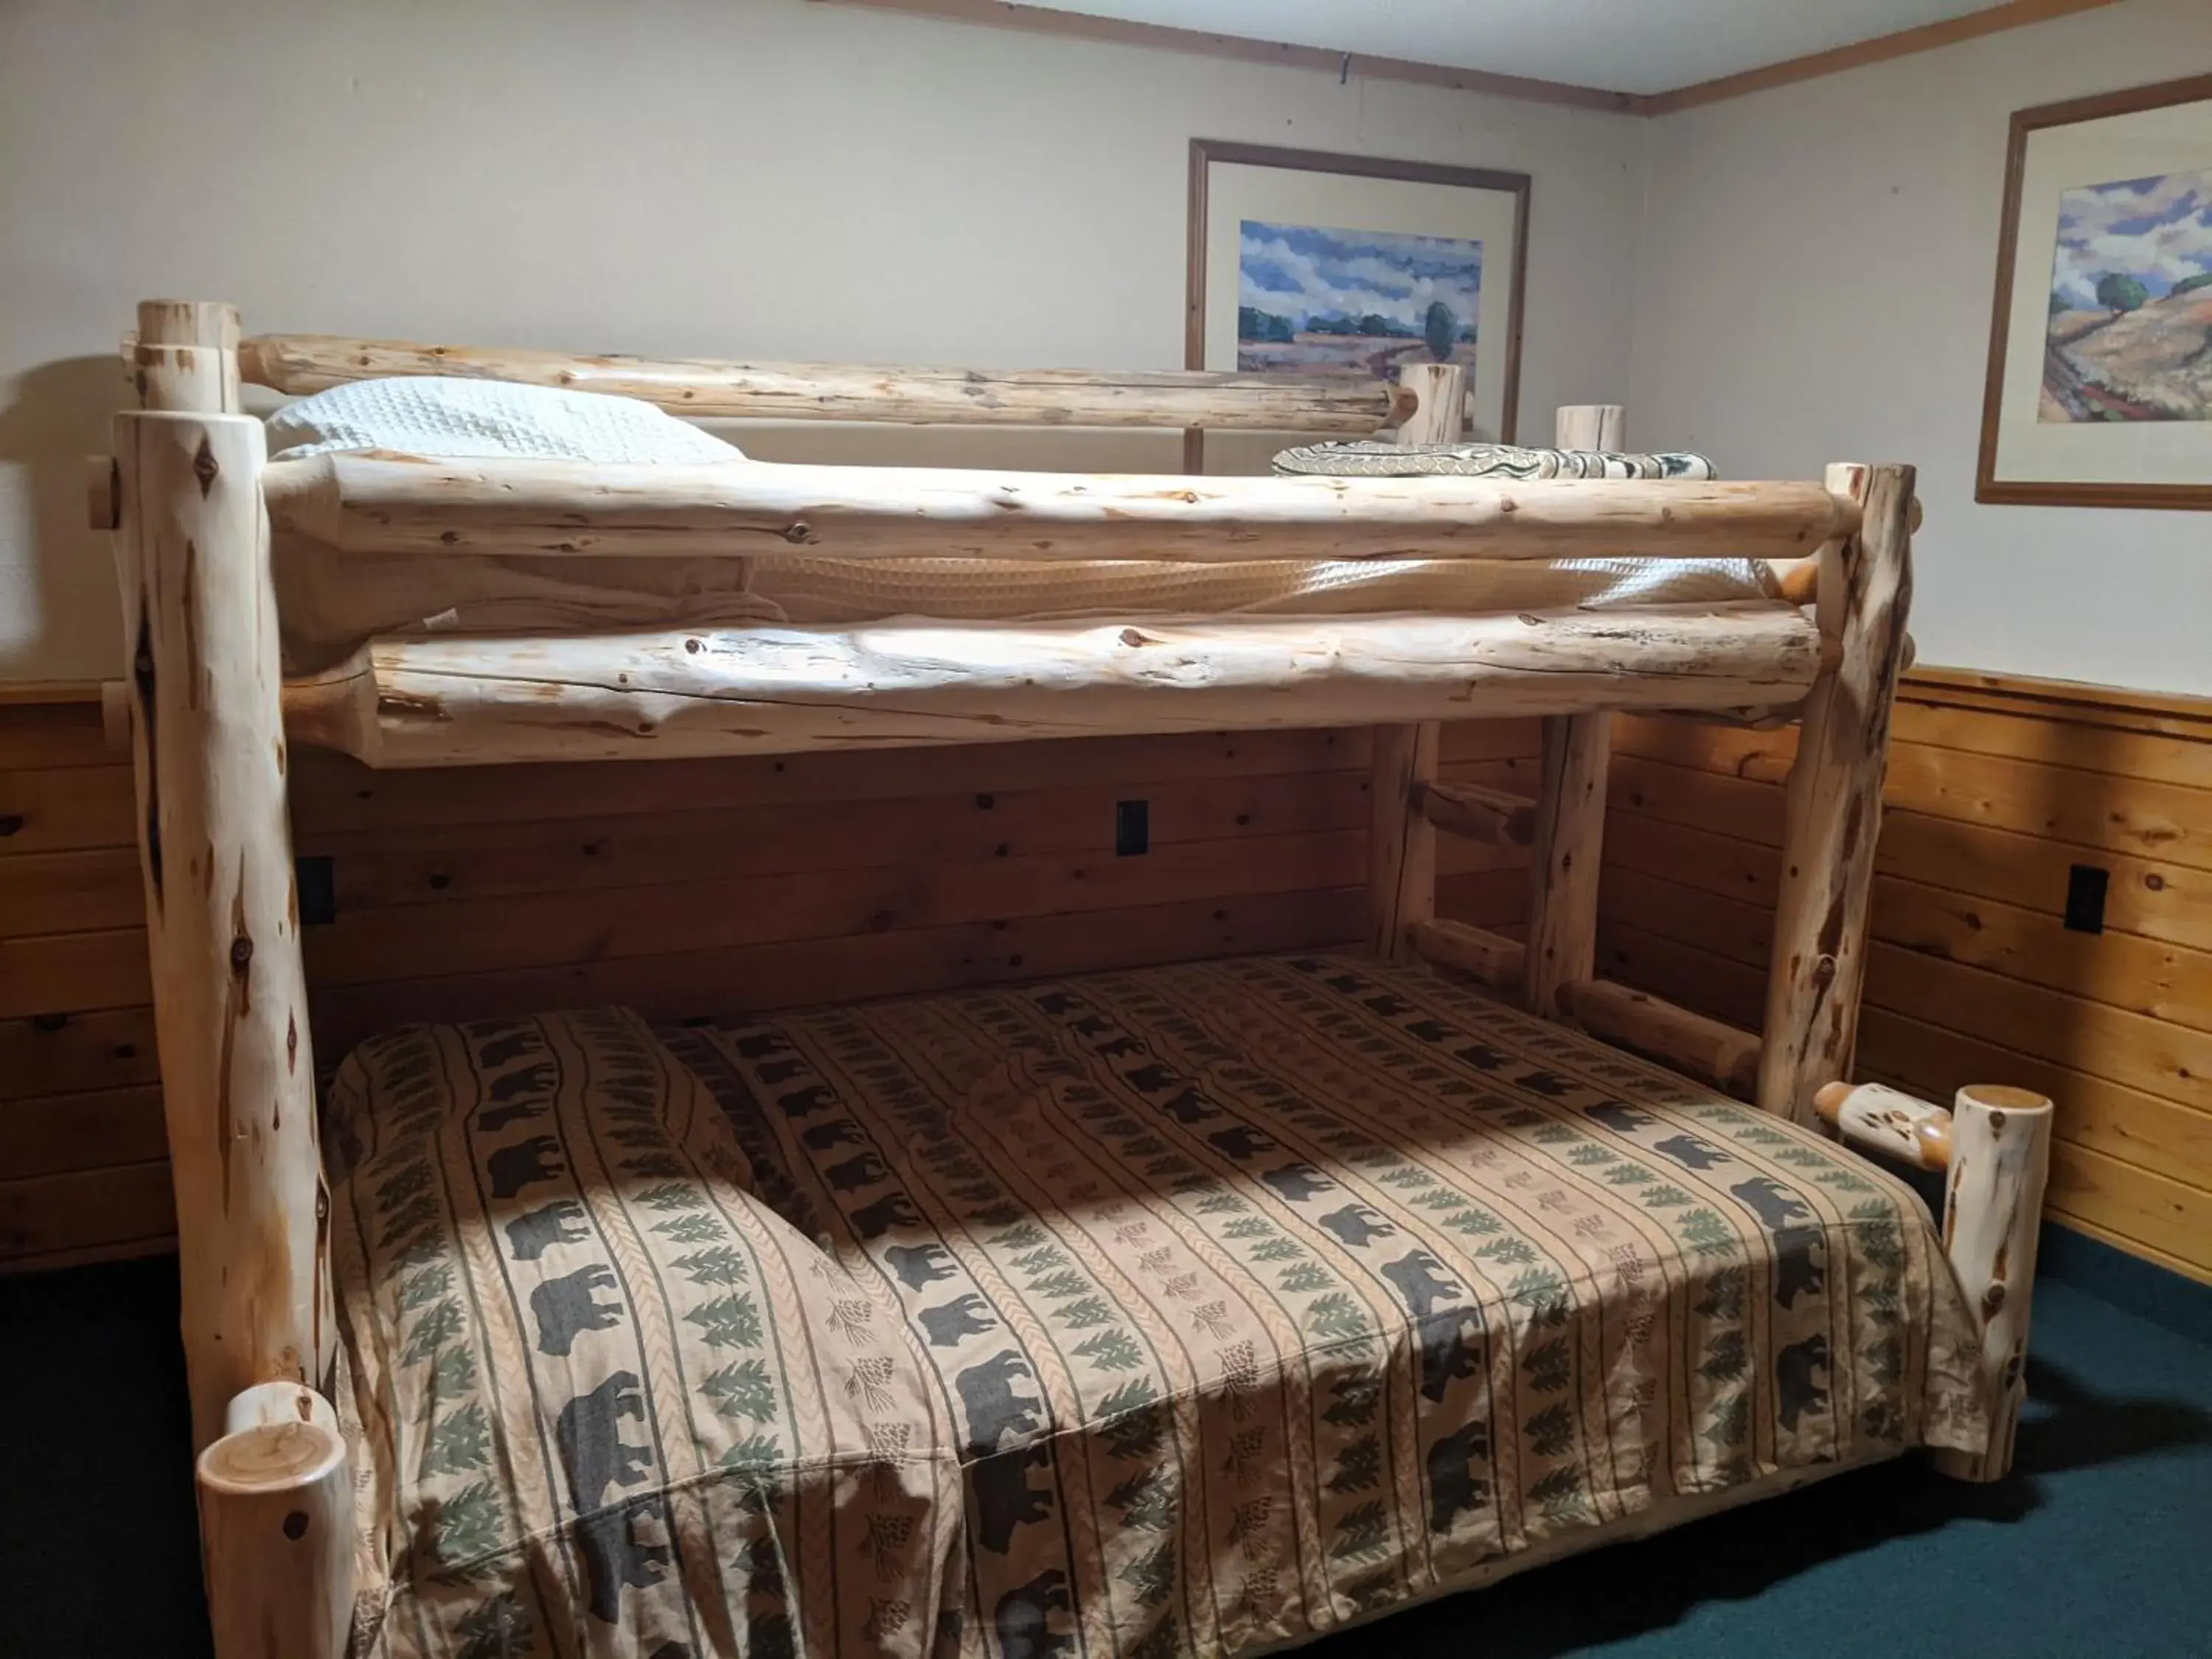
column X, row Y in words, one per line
column 1311, row 301
column 2130, row 331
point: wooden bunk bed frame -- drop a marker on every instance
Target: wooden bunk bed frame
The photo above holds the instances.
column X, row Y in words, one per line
column 192, row 500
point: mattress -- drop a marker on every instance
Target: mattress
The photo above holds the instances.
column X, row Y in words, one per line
column 331, row 604
column 1269, row 1294
column 1188, row 1311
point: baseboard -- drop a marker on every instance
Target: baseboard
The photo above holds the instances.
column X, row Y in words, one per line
column 2130, row 1284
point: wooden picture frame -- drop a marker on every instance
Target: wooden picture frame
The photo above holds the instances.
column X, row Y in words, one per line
column 1206, row 153
column 2000, row 478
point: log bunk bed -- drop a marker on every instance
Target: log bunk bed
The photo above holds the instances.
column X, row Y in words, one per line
column 334, row 1481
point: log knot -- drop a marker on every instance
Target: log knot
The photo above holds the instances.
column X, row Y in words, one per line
column 242, row 954
column 205, row 467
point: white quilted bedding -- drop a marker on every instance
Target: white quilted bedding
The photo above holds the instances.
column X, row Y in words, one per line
column 478, row 420
column 331, row 605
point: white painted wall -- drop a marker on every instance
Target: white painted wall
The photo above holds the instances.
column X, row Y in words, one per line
column 1814, row 284
column 762, row 178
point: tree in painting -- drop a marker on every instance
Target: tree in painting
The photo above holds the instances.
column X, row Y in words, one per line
column 2129, row 335
column 1311, row 301
column 1441, row 330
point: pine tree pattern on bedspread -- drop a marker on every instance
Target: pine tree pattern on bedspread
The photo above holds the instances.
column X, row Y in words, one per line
column 1171, row 1312
column 1265, row 1293
column 601, row 1400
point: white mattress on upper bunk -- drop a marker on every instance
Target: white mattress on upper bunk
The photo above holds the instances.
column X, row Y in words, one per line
column 330, row 605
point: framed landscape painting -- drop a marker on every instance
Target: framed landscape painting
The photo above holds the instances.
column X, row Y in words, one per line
column 1308, row 264
column 2100, row 389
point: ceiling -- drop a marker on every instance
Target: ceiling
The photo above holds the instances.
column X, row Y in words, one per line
column 1622, row 45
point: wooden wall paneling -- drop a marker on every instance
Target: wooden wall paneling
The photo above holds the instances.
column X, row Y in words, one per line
column 63, row 973
column 70, row 892
column 590, row 924
column 799, row 972
column 65, row 1132
column 2161, row 901
column 1995, row 790
column 44, row 809
column 60, row 1053
column 1699, row 979
column 2122, row 967
column 36, row 736
column 2123, row 1123
column 2159, row 757
column 429, row 864
column 2149, row 818
column 54, row 1220
column 2136, row 1203
column 83, row 1167
column 331, row 794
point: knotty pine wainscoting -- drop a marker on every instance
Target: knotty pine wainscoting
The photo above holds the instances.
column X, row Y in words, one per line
column 680, row 887
column 686, row 887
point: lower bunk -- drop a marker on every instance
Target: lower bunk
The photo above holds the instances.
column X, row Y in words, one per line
column 1193, row 1311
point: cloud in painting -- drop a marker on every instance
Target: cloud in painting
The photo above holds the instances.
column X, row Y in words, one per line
column 1304, row 273
column 2157, row 230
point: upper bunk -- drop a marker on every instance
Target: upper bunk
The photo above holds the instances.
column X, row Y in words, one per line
column 594, row 684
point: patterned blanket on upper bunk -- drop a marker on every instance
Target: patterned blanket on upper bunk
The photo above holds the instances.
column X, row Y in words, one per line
column 1171, row 1312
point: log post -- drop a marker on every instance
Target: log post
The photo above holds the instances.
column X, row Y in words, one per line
column 199, row 615
column 184, row 357
column 1992, row 1208
column 1401, row 856
column 1570, row 846
column 1566, row 856
column 1833, row 801
column 1589, row 426
column 277, row 1535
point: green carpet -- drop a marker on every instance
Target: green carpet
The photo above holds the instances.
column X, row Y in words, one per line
column 2101, row 1544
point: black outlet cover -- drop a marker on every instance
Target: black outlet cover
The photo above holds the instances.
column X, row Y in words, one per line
column 2086, row 884
column 1132, row 828
column 318, row 891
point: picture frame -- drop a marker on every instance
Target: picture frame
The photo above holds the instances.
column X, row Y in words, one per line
column 2098, row 389
column 1309, row 262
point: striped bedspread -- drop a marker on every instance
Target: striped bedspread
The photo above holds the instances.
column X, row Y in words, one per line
column 1269, row 1292
column 1173, row 1312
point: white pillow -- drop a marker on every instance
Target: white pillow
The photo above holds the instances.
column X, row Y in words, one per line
column 448, row 419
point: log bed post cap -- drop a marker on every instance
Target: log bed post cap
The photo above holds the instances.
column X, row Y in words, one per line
column 270, row 1457
column 2003, row 1098
column 188, row 322
column 276, row 1531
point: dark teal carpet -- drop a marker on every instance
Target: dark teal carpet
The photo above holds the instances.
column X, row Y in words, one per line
column 2100, row 1545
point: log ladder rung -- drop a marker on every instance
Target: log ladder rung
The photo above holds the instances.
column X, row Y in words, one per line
column 1707, row 1049
column 1496, row 960
column 1494, row 817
